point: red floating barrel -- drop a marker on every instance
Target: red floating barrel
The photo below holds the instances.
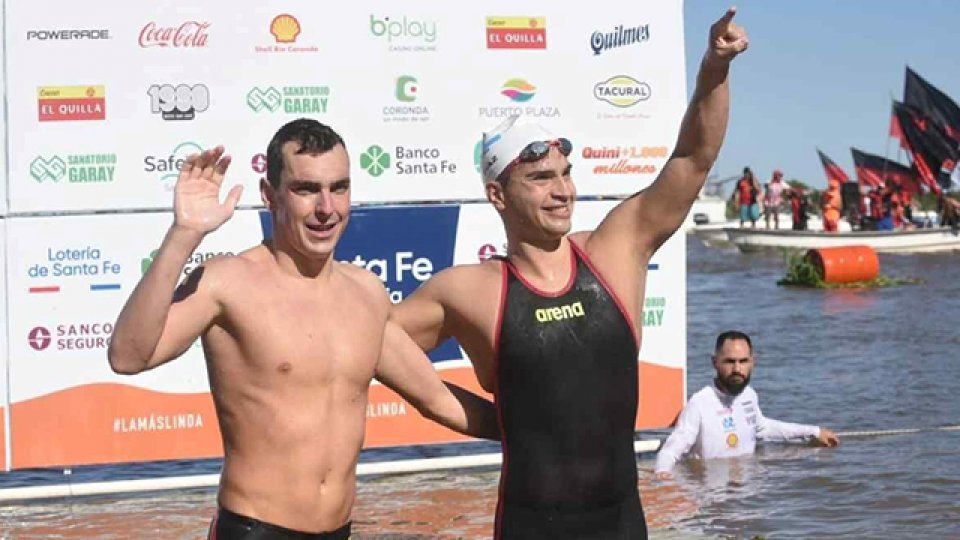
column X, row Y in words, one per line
column 845, row 264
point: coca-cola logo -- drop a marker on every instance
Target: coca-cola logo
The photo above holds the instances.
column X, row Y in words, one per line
column 188, row 34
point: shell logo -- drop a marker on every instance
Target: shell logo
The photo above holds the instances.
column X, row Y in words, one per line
column 732, row 440
column 285, row 28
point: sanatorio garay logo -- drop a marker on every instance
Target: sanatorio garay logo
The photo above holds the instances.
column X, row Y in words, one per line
column 620, row 36
column 76, row 168
column 289, row 99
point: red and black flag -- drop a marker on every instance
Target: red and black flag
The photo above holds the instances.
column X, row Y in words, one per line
column 934, row 154
column 873, row 170
column 834, row 172
column 933, row 103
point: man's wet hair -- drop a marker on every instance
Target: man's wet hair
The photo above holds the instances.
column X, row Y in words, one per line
column 312, row 136
column 732, row 335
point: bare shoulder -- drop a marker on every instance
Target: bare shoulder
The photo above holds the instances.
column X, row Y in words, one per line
column 365, row 280
column 222, row 272
column 459, row 280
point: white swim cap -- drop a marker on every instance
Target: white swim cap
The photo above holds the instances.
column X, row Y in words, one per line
column 504, row 143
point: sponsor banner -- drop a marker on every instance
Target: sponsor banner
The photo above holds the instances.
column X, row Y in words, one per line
column 4, row 354
column 60, row 103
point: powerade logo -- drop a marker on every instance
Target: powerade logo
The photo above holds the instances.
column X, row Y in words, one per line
column 621, row 91
column 180, row 102
column 621, row 36
column 518, row 90
column 406, row 91
column 405, row 34
column 404, row 247
column 68, row 35
column 167, row 167
column 289, row 99
column 76, row 168
column 516, row 33
column 60, row 264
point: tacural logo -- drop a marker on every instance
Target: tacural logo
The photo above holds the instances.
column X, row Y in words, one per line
column 622, row 91
column 188, row 34
column 39, row 338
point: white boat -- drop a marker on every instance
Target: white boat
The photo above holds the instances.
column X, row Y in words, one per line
column 902, row 241
column 715, row 234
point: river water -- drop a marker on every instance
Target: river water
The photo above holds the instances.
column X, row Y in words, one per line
column 850, row 360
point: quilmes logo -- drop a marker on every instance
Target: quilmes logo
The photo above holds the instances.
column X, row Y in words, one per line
column 405, row 34
column 62, row 263
column 623, row 159
column 285, row 29
column 622, row 91
column 180, row 102
column 289, row 99
column 519, row 90
column 61, row 103
column 186, row 35
column 406, row 92
column 621, row 36
column 68, row 35
column 76, row 168
column 375, row 161
column 167, row 167
column 516, row 32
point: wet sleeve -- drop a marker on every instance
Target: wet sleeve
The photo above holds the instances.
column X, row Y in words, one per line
column 772, row 430
column 681, row 440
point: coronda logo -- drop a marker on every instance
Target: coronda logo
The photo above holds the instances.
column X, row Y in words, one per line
column 405, row 34
column 406, row 88
column 406, row 91
column 180, row 102
column 622, row 91
column 621, row 36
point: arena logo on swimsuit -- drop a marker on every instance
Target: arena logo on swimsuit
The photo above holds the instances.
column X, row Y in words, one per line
column 560, row 313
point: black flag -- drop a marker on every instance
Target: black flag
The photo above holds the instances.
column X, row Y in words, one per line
column 932, row 103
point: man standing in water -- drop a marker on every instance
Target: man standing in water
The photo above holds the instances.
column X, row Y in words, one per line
column 724, row 419
column 552, row 329
column 292, row 339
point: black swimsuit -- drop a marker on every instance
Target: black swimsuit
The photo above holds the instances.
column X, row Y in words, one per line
column 567, row 400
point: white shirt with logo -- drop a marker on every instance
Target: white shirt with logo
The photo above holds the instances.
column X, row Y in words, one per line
column 715, row 424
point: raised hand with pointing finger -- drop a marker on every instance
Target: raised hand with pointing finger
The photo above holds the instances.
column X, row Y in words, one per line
column 727, row 38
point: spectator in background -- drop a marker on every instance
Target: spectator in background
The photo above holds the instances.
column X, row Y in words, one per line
column 772, row 199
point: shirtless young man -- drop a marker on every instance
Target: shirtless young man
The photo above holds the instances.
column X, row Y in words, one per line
column 552, row 329
column 292, row 339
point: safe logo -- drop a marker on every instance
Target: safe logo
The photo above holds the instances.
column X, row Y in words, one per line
column 268, row 99
column 375, row 161
column 519, row 90
column 406, row 88
column 51, row 169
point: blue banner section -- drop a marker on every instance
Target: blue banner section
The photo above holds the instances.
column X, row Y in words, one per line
column 403, row 245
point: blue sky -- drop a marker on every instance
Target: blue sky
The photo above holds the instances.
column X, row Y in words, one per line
column 820, row 73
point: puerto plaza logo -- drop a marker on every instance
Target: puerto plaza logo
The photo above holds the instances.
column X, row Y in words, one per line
column 74, row 168
column 285, row 29
column 516, row 32
column 65, row 103
column 289, row 99
column 405, row 33
column 180, row 102
column 167, row 167
column 520, row 93
column 407, row 107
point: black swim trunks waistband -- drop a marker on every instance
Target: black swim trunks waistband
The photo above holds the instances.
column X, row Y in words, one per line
column 228, row 525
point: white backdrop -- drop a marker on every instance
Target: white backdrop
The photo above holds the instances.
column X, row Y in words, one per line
column 104, row 99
